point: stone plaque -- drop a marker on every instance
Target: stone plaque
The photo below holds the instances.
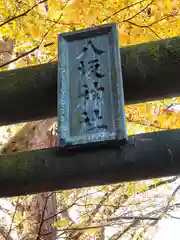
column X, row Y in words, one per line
column 90, row 88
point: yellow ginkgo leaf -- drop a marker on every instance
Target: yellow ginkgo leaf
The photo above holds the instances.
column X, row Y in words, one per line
column 62, row 223
column 34, row 31
column 91, row 231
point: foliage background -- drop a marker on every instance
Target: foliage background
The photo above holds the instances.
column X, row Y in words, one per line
column 28, row 31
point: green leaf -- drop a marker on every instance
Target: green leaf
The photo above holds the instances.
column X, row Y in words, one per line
column 62, row 223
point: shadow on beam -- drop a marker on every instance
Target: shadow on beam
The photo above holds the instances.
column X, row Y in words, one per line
column 147, row 155
column 150, row 71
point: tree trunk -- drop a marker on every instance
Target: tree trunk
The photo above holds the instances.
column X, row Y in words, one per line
column 43, row 205
column 6, row 51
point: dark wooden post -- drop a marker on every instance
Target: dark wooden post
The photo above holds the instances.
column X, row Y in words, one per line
column 146, row 156
column 150, row 71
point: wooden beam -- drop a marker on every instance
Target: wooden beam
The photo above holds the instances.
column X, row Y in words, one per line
column 147, row 155
column 150, row 71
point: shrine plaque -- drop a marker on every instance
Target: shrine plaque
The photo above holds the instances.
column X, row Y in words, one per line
column 90, row 88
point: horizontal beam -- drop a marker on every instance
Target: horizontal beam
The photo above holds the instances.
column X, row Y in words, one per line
column 150, row 71
column 148, row 155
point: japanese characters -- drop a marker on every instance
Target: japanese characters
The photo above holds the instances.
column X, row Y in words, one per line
column 92, row 89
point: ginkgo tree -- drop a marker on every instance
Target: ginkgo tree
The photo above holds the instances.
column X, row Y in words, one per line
column 31, row 28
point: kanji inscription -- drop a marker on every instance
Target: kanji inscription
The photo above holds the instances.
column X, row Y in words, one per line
column 90, row 93
column 92, row 90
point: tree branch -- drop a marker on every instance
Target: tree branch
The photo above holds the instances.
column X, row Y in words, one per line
column 120, row 10
column 22, row 14
column 142, row 10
